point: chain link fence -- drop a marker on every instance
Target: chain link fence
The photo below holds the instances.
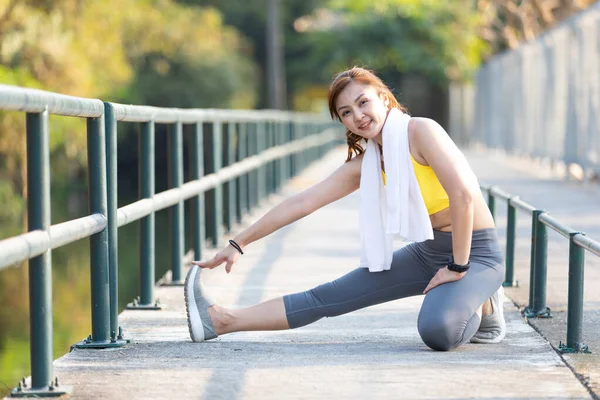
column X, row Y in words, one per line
column 541, row 99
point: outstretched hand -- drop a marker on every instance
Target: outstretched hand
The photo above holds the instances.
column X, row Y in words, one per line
column 443, row 275
column 228, row 255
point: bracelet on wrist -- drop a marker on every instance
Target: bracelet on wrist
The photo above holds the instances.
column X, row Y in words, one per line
column 237, row 246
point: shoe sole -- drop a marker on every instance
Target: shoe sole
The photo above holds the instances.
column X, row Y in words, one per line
column 193, row 315
column 502, row 321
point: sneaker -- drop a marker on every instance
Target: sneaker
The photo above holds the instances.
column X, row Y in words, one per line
column 492, row 328
column 196, row 305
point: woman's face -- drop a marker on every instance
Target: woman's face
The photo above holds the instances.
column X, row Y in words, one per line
column 362, row 110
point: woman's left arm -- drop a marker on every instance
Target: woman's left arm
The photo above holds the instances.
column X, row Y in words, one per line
column 432, row 142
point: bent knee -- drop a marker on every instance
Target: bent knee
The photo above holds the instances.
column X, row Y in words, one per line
column 439, row 333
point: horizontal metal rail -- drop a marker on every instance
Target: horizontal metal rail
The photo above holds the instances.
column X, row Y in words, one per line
column 587, row 243
column 521, row 205
column 31, row 244
column 499, row 193
column 133, row 113
column 141, row 208
column 553, row 223
column 34, row 100
column 578, row 242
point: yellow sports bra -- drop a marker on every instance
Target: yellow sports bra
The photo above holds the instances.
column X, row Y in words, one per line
column 434, row 195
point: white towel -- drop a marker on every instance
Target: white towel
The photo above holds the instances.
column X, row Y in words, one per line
column 396, row 209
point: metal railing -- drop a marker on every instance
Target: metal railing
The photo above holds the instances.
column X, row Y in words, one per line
column 261, row 150
column 578, row 243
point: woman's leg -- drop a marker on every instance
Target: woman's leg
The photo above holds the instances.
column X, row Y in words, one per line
column 451, row 313
column 266, row 316
column 357, row 289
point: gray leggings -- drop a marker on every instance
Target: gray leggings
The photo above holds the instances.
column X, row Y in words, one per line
column 447, row 318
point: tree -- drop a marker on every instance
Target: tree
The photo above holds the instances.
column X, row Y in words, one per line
column 506, row 23
column 250, row 18
column 436, row 39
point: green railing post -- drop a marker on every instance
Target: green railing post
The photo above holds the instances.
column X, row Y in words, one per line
column 99, row 241
column 290, row 138
column 147, row 226
column 217, row 192
column 242, row 180
column 248, row 176
column 575, row 303
column 112, row 222
column 112, row 226
column 278, row 165
column 255, row 181
column 492, row 202
column 198, row 201
column 262, row 170
column 315, row 150
column 40, row 267
column 511, row 224
column 302, row 155
column 294, row 134
column 540, row 242
column 283, row 165
column 230, row 186
column 292, row 157
column 534, row 217
column 43, row 384
column 309, row 153
column 270, row 178
column 175, row 145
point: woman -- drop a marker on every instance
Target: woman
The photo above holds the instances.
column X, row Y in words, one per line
column 460, row 271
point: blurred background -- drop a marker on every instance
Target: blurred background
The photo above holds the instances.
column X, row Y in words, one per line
column 249, row 54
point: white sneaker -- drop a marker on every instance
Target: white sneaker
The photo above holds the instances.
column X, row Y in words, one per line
column 493, row 326
column 197, row 303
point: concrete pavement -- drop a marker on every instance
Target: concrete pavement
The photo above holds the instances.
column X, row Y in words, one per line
column 372, row 353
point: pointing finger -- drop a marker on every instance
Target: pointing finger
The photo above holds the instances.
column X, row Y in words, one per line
column 213, row 262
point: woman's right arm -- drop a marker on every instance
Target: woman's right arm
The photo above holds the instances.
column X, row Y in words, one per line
column 345, row 180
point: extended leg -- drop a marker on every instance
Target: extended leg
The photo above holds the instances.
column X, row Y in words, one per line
column 357, row 289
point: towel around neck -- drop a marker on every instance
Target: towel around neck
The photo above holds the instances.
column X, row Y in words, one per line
column 396, row 209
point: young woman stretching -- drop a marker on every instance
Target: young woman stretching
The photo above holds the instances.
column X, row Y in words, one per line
column 460, row 270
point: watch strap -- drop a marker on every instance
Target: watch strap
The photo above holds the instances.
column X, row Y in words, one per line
column 458, row 267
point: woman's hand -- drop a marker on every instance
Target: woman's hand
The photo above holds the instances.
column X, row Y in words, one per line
column 228, row 255
column 443, row 275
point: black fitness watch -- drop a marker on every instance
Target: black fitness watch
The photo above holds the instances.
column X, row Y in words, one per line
column 458, row 267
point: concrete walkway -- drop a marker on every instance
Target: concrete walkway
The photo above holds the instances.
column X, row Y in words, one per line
column 375, row 353
column 577, row 206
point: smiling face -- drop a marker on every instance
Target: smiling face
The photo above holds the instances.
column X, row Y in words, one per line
column 362, row 110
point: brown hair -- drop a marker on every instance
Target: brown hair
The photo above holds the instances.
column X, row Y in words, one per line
column 366, row 77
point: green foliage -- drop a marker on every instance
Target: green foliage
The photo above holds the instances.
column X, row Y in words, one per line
column 14, row 363
column 12, row 208
column 250, row 18
column 199, row 62
column 431, row 38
